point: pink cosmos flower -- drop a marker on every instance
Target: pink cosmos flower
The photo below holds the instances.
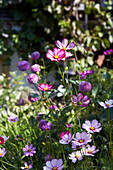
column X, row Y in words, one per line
column 74, row 146
column 80, row 100
column 93, row 126
column 55, row 55
column 3, row 139
column 32, row 78
column 13, row 118
column 27, row 167
column 64, row 133
column 85, row 86
column 2, row 152
column 43, row 125
column 29, row 150
column 108, row 52
column 66, row 138
column 54, row 164
column 45, row 87
column 35, row 68
column 107, row 104
column 89, row 150
column 82, row 138
column 64, row 45
column 74, row 156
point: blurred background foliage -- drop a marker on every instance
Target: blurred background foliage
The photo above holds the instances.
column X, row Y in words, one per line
column 35, row 25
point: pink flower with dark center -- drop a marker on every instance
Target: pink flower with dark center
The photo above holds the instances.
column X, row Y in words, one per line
column 43, row 125
column 2, row 152
column 35, row 68
column 45, row 87
column 107, row 104
column 66, row 138
column 32, row 78
column 93, row 126
column 54, row 164
column 13, row 118
column 64, row 45
column 89, row 150
column 35, row 55
column 74, row 156
column 80, row 100
column 108, row 52
column 23, row 65
column 82, row 138
column 85, row 86
column 27, row 167
column 55, row 55
column 29, row 150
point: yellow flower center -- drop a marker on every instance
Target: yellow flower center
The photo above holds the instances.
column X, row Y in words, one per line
column 27, row 167
column 29, row 150
column 81, row 141
column 13, row 120
column 89, row 151
column 0, row 154
column 77, row 156
column 109, row 52
column 107, row 105
column 64, row 48
column 92, row 128
column 67, row 140
column 45, row 88
column 54, row 168
column 56, row 56
column 45, row 128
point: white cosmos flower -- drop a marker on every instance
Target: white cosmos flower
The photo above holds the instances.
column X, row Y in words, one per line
column 107, row 104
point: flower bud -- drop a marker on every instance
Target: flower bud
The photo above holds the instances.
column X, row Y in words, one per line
column 32, row 78
column 23, row 65
column 35, row 55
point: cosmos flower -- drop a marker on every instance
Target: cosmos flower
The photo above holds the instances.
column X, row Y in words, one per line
column 93, row 126
column 13, row 118
column 35, row 55
column 107, row 104
column 45, row 87
column 32, row 78
column 2, row 152
column 74, row 156
column 66, row 138
column 85, row 86
column 89, row 150
column 35, row 68
column 82, row 138
column 23, row 65
column 3, row 139
column 54, row 164
column 29, row 150
column 108, row 52
column 64, row 45
column 26, row 166
column 55, row 55
column 80, row 100
column 43, row 125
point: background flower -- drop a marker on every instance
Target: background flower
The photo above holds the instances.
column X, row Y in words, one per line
column 54, row 164
column 29, row 150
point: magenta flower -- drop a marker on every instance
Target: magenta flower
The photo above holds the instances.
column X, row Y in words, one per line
column 69, row 125
column 35, row 68
column 32, row 99
column 23, row 65
column 82, row 138
column 80, row 100
column 64, row 45
column 83, row 75
column 26, row 166
column 43, row 125
column 85, row 86
column 13, row 118
column 54, row 107
column 29, row 150
column 108, row 52
column 66, row 138
column 32, row 78
column 2, row 152
column 88, row 72
column 64, row 133
column 45, row 87
column 93, row 126
column 107, row 104
column 55, row 55
column 74, row 156
column 3, row 139
column 35, row 55
column 54, row 164
column 89, row 150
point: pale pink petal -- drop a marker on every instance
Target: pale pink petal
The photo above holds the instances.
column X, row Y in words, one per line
column 59, row 162
column 46, row 168
column 54, row 162
column 55, row 51
column 61, row 167
column 65, row 42
column 84, row 135
column 80, row 96
column 59, row 44
column 48, row 163
column 78, row 135
column 94, row 123
column 70, row 46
